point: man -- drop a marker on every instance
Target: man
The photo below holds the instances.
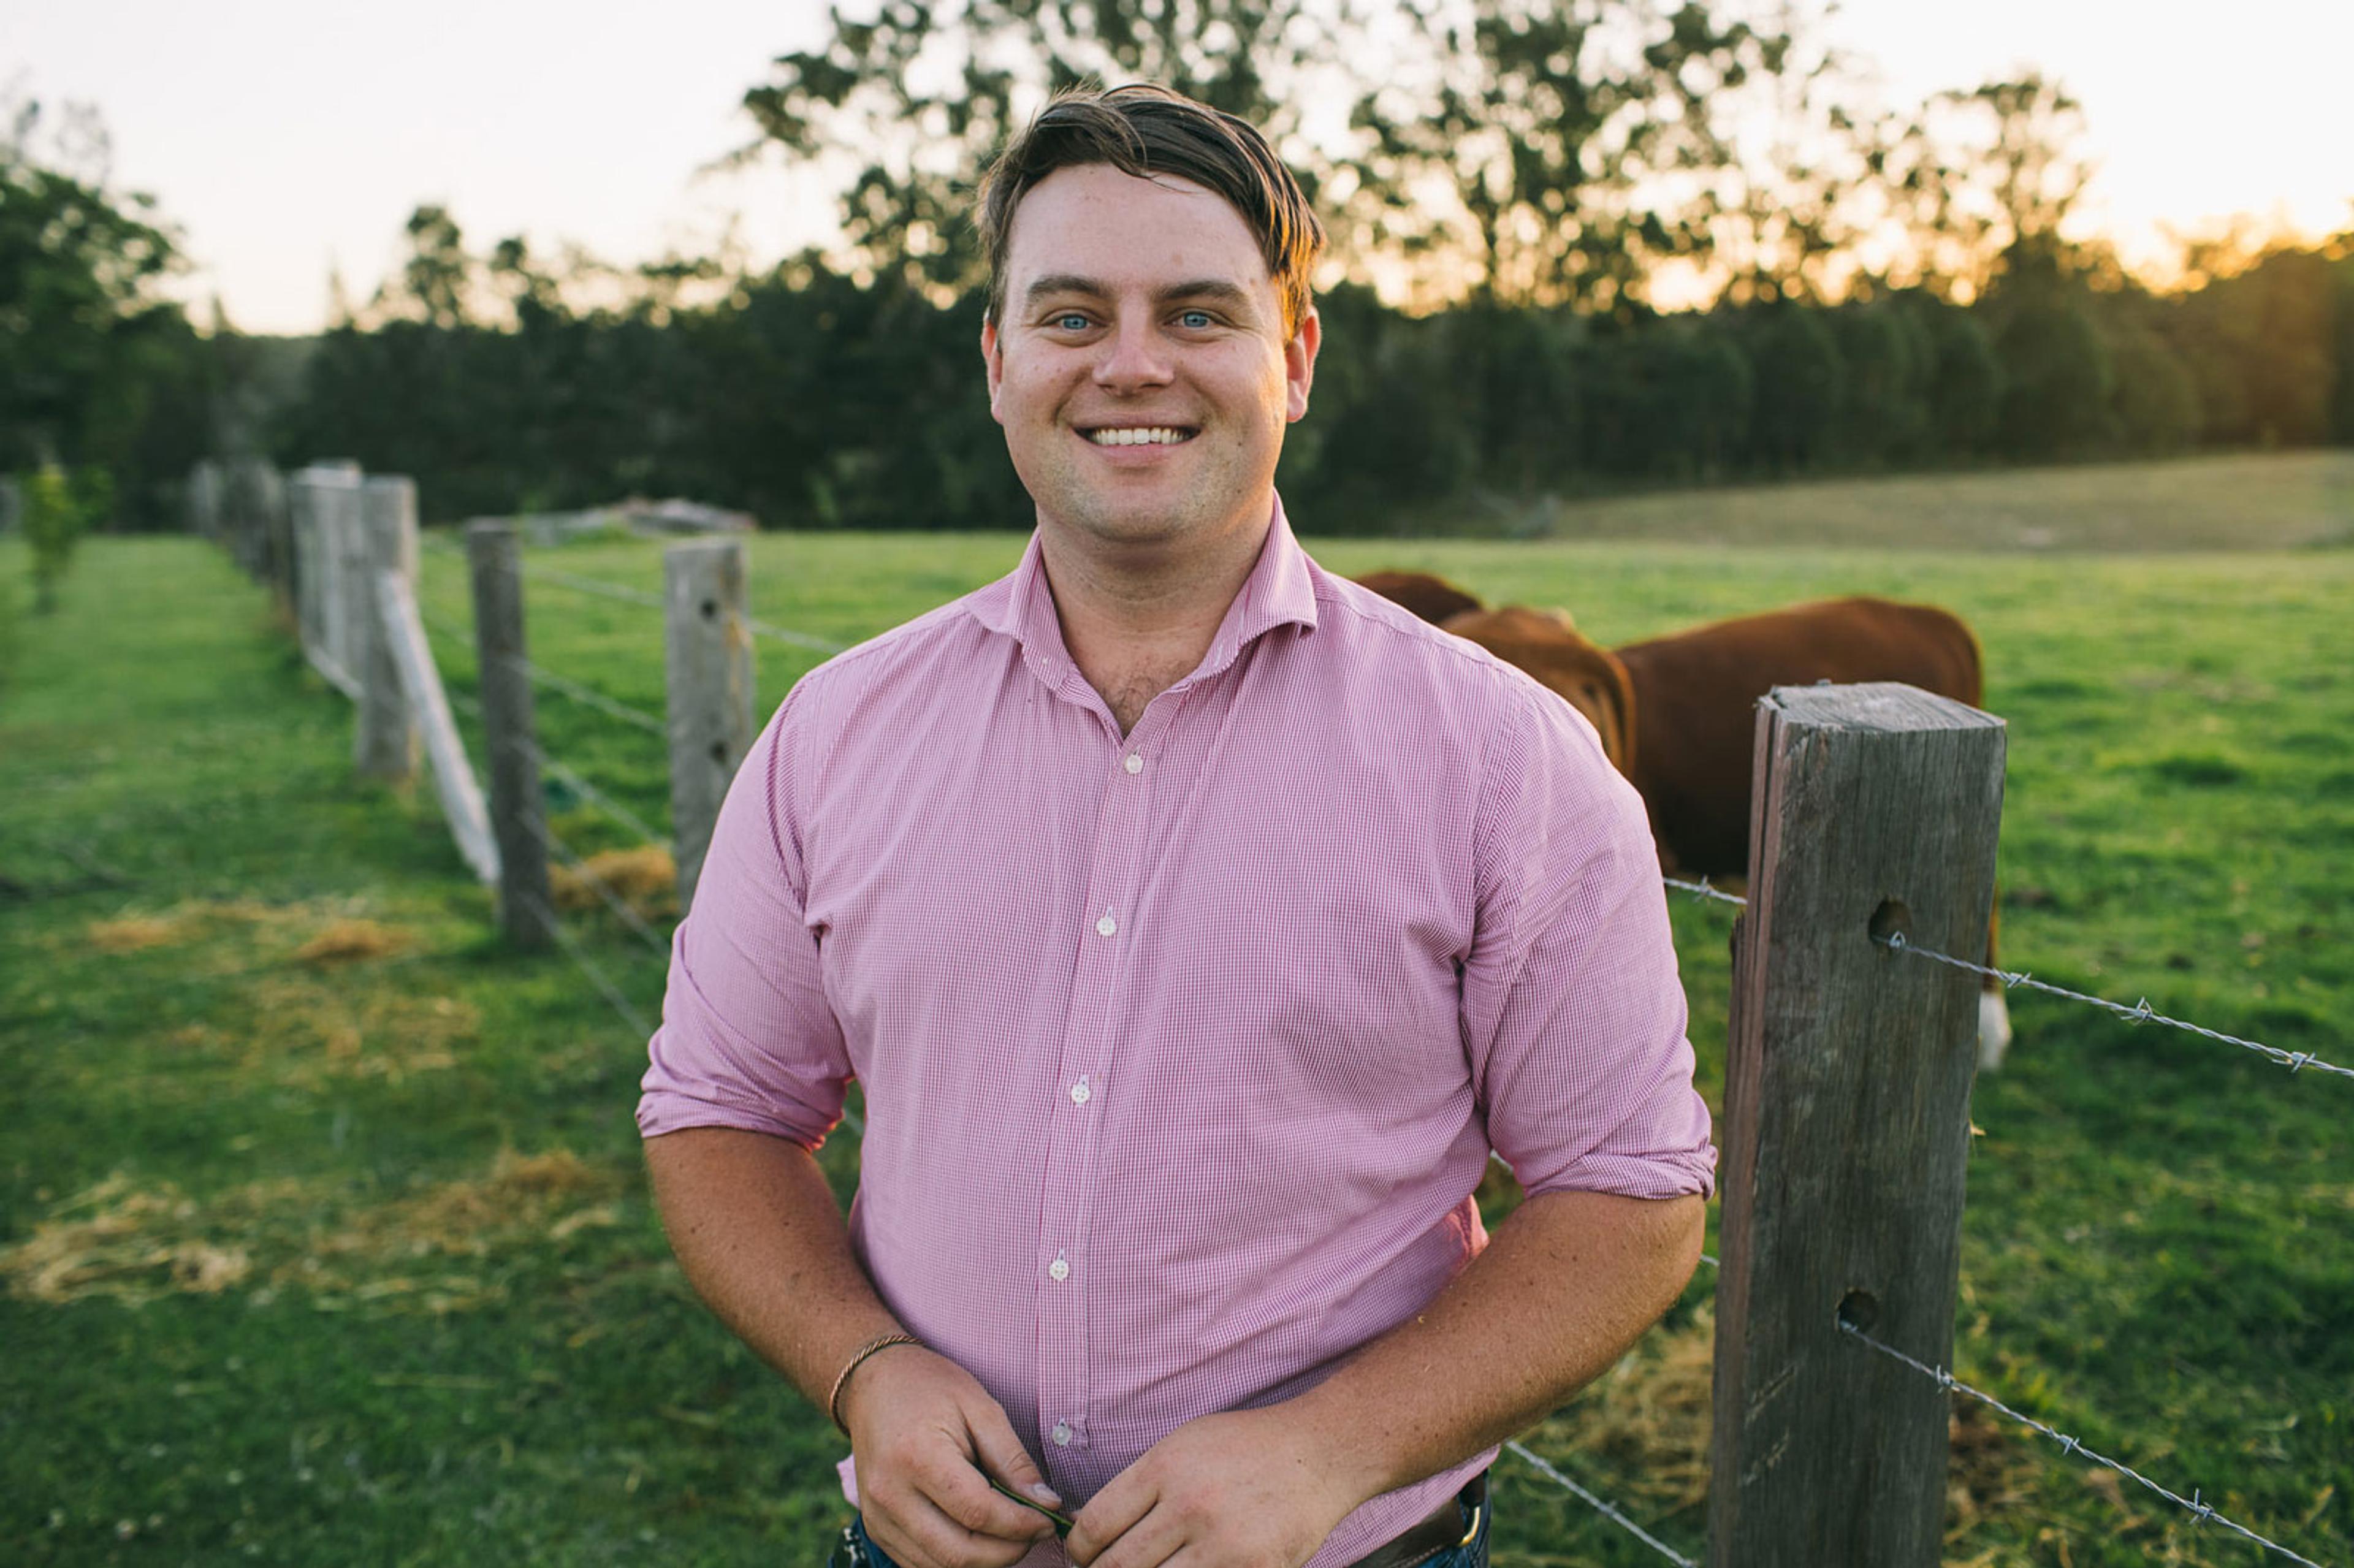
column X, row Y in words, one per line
column 1195, row 922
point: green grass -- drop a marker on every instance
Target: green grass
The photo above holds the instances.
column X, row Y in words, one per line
column 445, row 1328
column 2232, row 501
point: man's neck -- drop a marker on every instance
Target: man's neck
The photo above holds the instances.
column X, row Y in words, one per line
column 1136, row 621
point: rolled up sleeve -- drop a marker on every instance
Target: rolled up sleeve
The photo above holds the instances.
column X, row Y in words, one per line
column 748, row 1039
column 1574, row 1011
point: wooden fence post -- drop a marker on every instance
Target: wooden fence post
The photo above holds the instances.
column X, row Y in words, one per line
column 1876, row 809
column 708, row 683
column 347, row 575
column 203, row 500
column 510, row 734
column 384, row 742
column 326, row 523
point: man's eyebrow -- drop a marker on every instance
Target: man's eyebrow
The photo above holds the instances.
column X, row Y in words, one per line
column 1216, row 290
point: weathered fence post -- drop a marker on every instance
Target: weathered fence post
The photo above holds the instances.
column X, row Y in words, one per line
column 510, row 735
column 708, row 683
column 347, row 576
column 384, row 742
column 204, row 499
column 326, row 497
column 1875, row 810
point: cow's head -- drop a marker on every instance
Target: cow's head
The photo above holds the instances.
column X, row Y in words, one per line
column 1546, row 644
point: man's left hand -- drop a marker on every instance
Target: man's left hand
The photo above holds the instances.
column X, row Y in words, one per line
column 1233, row 1490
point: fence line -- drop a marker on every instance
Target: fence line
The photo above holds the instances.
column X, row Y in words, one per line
column 604, row 890
column 597, row 585
column 589, row 696
column 1521, row 1451
column 580, row 786
column 2140, row 1012
column 798, row 639
column 2203, row 1512
column 630, row 1016
column 603, row 983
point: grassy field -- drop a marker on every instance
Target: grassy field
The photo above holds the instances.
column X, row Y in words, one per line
column 320, row 1222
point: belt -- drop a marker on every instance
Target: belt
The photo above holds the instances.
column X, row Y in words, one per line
column 1444, row 1529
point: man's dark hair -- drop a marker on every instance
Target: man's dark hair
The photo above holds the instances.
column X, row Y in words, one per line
column 1143, row 129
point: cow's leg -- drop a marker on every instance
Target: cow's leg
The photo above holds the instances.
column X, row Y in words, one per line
column 1994, row 1010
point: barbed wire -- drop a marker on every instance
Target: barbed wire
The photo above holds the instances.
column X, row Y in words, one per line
column 2141, row 1012
column 2200, row 1511
column 798, row 639
column 597, row 585
column 1703, row 890
column 594, row 796
column 600, row 887
column 597, row 976
column 589, row 696
column 1521, row 1451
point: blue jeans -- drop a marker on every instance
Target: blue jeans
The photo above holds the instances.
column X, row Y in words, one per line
column 855, row 1549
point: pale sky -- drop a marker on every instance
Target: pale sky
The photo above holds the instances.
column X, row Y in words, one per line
column 285, row 137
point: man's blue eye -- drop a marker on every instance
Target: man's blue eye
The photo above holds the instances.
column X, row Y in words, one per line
column 1071, row 323
column 1195, row 318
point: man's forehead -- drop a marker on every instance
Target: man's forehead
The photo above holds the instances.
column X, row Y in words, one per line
column 1096, row 221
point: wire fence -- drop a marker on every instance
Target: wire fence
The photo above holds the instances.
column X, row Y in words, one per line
column 2140, row 1012
column 2201, row 1512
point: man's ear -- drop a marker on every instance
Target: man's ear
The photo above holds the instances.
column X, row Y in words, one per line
column 1300, row 364
column 993, row 360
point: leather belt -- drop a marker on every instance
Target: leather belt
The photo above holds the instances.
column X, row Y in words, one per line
column 1444, row 1529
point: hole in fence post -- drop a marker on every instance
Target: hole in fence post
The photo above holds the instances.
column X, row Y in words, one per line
column 1891, row 919
column 719, row 751
column 710, row 608
column 1859, row 1309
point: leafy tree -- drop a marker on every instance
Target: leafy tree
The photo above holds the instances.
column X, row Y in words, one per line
column 1801, row 387
column 58, row 508
column 2059, row 377
column 1965, row 385
column 82, row 325
column 1557, row 150
column 926, row 93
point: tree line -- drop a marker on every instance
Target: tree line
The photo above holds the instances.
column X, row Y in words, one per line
column 1531, row 182
column 813, row 399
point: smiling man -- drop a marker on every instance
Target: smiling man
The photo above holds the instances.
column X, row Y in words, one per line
column 1196, row 923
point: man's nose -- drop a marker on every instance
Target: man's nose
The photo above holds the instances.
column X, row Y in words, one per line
column 1134, row 355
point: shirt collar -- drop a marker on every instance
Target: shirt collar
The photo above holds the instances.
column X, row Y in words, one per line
column 1280, row 591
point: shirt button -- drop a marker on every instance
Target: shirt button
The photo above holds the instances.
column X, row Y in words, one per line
column 1059, row 1270
column 1133, row 763
column 1061, row 1434
column 1080, row 1094
column 1106, row 926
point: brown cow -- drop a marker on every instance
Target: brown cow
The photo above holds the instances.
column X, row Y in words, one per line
column 1695, row 704
column 1548, row 645
column 1433, row 598
column 1678, row 714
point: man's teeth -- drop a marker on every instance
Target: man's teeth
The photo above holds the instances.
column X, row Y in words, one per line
column 1151, row 436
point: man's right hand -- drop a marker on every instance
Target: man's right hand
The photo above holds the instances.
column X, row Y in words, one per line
column 922, row 1433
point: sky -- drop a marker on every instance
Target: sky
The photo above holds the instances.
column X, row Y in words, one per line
column 288, row 138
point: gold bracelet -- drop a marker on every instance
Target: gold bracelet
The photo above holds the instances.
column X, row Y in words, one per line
column 884, row 1343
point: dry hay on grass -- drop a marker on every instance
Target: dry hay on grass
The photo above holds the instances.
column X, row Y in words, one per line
column 320, row 934
column 119, row 1241
column 345, row 940
column 309, row 1030
column 645, row 879
column 134, row 1245
column 1648, row 1418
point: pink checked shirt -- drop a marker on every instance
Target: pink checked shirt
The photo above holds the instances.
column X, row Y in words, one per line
column 1182, row 1052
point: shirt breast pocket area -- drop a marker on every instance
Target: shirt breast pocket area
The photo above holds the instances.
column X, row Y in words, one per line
column 1328, row 985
